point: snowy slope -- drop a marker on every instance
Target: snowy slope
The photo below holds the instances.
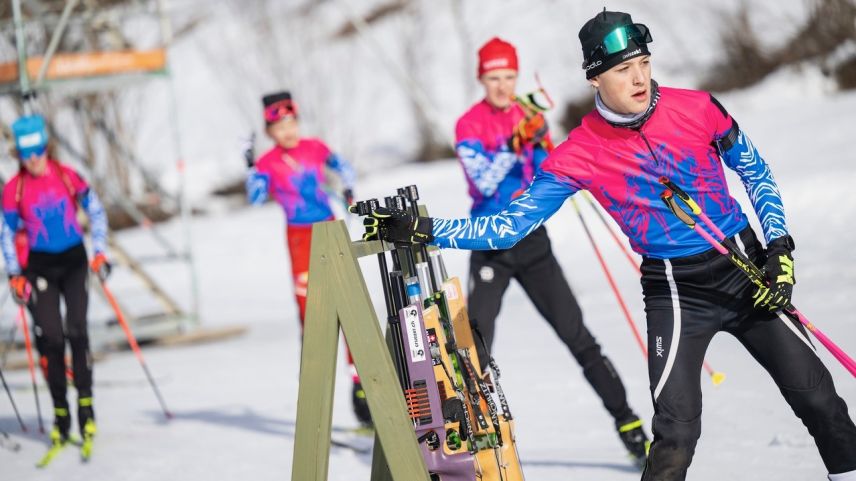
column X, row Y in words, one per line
column 235, row 401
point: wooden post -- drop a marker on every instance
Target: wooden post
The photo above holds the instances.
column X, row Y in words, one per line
column 338, row 296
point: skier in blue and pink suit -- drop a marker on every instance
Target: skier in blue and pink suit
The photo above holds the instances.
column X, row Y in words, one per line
column 49, row 261
column 637, row 133
column 501, row 147
column 293, row 173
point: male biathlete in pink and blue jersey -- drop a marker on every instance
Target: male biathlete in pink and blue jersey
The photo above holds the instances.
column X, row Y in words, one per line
column 42, row 201
column 293, row 173
column 638, row 133
column 501, row 147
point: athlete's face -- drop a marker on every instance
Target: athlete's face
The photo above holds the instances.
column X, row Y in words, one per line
column 35, row 164
column 626, row 88
column 285, row 132
column 499, row 87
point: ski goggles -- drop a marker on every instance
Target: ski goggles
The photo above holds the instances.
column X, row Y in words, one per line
column 617, row 40
column 280, row 110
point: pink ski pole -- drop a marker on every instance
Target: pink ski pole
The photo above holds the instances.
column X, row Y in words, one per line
column 727, row 248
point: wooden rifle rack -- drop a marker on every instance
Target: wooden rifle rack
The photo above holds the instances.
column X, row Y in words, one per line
column 338, row 296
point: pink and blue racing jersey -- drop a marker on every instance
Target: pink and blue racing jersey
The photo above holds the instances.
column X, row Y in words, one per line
column 687, row 138
column 295, row 178
column 43, row 206
column 495, row 174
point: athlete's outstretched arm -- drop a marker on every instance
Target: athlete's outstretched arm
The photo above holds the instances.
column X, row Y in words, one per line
column 501, row 231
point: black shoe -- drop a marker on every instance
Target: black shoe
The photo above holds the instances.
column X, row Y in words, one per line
column 86, row 418
column 634, row 438
column 361, row 406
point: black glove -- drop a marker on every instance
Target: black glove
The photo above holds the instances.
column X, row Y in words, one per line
column 348, row 195
column 396, row 225
column 249, row 149
column 779, row 270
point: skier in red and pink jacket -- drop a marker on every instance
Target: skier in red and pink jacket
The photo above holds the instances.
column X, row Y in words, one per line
column 293, row 173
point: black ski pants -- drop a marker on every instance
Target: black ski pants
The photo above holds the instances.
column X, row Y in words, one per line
column 688, row 300
column 532, row 263
column 51, row 276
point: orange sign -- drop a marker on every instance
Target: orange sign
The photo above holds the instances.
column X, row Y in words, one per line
column 77, row 65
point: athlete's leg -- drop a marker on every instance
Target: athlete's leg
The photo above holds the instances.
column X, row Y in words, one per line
column 782, row 346
column 490, row 273
column 50, row 342
column 539, row 273
column 73, row 285
column 681, row 323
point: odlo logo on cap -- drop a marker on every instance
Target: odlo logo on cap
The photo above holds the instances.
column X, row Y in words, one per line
column 593, row 65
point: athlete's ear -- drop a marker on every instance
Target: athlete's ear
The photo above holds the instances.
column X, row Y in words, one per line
column 594, row 82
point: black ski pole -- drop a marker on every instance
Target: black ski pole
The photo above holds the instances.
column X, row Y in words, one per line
column 413, row 291
column 12, row 400
column 366, row 208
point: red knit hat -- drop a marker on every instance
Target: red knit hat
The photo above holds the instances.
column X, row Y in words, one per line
column 497, row 54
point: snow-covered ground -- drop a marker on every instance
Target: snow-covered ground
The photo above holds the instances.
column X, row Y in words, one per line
column 235, row 401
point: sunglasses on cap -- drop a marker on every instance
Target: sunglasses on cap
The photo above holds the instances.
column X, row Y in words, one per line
column 616, row 40
column 280, row 110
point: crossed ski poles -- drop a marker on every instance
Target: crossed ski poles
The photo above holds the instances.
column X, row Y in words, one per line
column 726, row 247
column 716, row 377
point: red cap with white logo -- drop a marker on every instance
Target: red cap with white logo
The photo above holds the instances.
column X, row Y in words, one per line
column 497, row 54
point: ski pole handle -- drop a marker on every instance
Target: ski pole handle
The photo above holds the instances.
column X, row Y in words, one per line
column 668, row 197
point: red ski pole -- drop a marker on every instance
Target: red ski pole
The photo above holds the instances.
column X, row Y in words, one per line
column 611, row 281
column 132, row 341
column 715, row 376
column 727, row 248
column 22, row 318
